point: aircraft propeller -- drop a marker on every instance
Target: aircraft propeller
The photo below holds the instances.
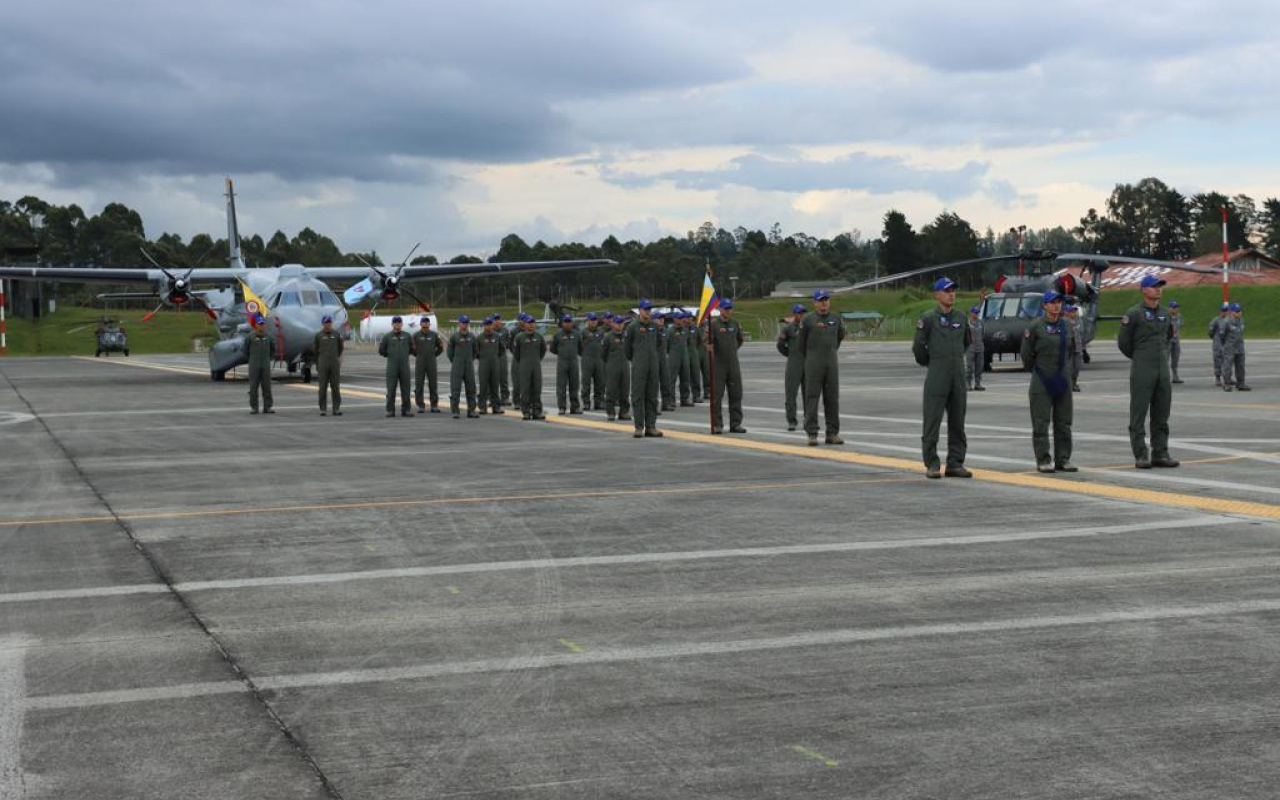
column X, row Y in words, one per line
column 391, row 288
column 178, row 292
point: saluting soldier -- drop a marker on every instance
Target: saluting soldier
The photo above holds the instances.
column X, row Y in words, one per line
column 328, row 347
column 260, row 348
column 940, row 342
column 593, row 363
column 566, row 345
column 640, row 345
column 396, row 347
column 1231, row 335
column 461, row 353
column 429, row 346
column 527, row 351
column 793, row 377
column 821, row 333
column 1047, row 345
column 488, row 346
column 694, row 341
column 1214, row 325
column 975, row 358
column 1072, row 313
column 617, row 372
column 504, row 337
column 1144, row 340
column 724, row 337
column 1175, row 341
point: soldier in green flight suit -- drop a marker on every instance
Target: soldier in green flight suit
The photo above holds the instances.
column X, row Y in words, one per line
column 566, row 345
column 527, row 349
column 617, row 372
column 504, row 336
column 593, row 363
column 704, row 358
column 260, row 348
column 678, row 358
column 461, row 353
column 488, row 346
column 429, row 346
column 397, row 347
column 1047, row 346
column 640, row 345
column 793, row 377
column 666, row 380
column 942, row 336
column 694, row 341
column 328, row 347
column 1144, row 339
column 821, row 333
column 724, row 338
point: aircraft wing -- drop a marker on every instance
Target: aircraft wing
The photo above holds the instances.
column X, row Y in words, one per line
column 435, row 272
column 115, row 274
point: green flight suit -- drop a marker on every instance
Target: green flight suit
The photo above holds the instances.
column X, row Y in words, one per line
column 567, row 347
column 461, row 353
column 260, row 348
column 1144, row 339
column 397, row 348
column 640, row 345
column 793, row 377
column 430, row 346
column 704, row 361
column 678, row 362
column 328, row 347
column 666, row 378
column 697, row 352
column 1046, row 351
column 1231, row 338
column 593, row 367
column 488, row 346
column 726, row 337
column 504, row 383
column 527, row 350
column 940, row 342
column 819, row 342
column 1217, row 346
column 617, row 376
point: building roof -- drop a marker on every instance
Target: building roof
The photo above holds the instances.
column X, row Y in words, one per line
column 1249, row 266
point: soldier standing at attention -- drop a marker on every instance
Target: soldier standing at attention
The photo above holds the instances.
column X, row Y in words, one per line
column 693, row 341
column 678, row 358
column 396, row 347
column 704, row 357
column 1072, row 314
column 1231, row 334
column 260, row 349
column 1175, row 341
column 1046, row 351
column 328, row 347
column 724, row 337
column 640, row 345
column 488, row 347
column 821, row 333
column 793, row 377
column 527, row 350
column 504, row 337
column 617, row 372
column 1144, row 340
column 975, row 355
column 1214, row 324
column 940, row 342
column 429, row 348
column 593, row 364
column 462, row 368
column 566, row 345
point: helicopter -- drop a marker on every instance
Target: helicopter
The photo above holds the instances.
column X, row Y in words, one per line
column 1010, row 309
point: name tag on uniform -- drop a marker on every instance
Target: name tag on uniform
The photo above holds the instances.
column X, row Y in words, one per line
column 1051, row 328
column 1149, row 315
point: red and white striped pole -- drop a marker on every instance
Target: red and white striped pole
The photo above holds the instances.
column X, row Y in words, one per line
column 4, row 338
column 1226, row 283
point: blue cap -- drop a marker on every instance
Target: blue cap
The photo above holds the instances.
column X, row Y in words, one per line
column 645, row 304
column 1051, row 297
column 1235, row 307
column 464, row 318
column 1226, row 306
column 1150, row 281
column 591, row 315
column 943, row 284
column 607, row 315
column 396, row 319
column 659, row 313
column 975, row 309
column 424, row 318
column 1067, row 309
column 798, row 308
column 567, row 318
column 821, row 294
column 496, row 315
column 726, row 304
column 326, row 318
column 487, row 320
column 1173, row 304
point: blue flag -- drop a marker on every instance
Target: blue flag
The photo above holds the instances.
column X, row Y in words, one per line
column 358, row 292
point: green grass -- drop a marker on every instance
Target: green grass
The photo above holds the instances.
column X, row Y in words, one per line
column 70, row 331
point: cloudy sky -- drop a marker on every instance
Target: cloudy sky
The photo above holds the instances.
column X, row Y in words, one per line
column 383, row 123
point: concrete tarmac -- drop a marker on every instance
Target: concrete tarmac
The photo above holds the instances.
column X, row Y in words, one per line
column 200, row 603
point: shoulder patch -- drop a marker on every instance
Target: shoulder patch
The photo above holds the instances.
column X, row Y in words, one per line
column 1026, row 334
column 1124, row 320
column 920, row 324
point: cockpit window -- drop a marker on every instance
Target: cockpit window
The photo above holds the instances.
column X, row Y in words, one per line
column 1029, row 308
column 288, row 299
column 310, row 297
column 991, row 308
column 328, row 298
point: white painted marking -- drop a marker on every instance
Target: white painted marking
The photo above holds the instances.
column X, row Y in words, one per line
column 624, row 558
column 847, row 636
column 14, row 417
column 13, row 706
column 1163, row 476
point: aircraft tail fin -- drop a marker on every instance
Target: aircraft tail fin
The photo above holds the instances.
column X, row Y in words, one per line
column 235, row 260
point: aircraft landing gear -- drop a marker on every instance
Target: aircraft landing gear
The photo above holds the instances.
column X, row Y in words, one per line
column 986, row 361
column 217, row 374
column 1086, row 356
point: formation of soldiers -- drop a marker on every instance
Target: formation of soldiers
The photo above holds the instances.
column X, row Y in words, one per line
column 634, row 369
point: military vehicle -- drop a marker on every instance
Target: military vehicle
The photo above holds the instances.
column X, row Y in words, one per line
column 111, row 337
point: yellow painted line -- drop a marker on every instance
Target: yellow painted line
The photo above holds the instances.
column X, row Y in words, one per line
column 444, row 501
column 815, row 755
column 453, row 590
column 1021, row 480
column 570, row 646
column 143, row 365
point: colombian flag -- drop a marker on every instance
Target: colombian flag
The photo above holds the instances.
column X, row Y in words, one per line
column 710, row 300
column 252, row 303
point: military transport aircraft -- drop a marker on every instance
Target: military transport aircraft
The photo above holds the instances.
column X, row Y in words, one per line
column 293, row 298
column 1015, row 303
